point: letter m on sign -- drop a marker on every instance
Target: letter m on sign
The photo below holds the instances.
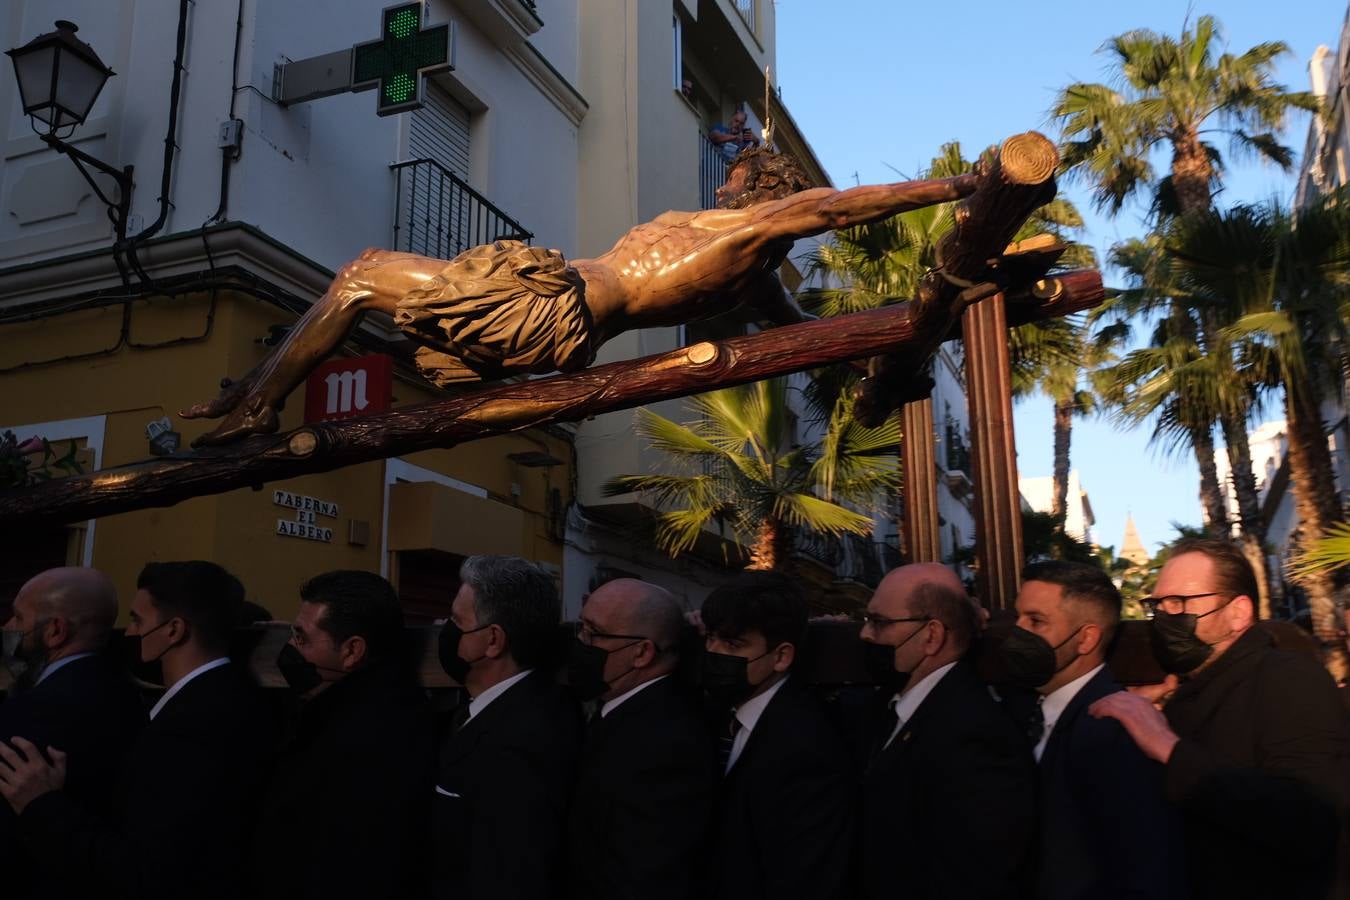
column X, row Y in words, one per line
column 343, row 388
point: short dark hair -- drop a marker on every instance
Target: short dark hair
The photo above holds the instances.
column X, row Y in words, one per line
column 1083, row 583
column 1233, row 573
column 767, row 602
column 769, row 175
column 358, row 603
column 200, row 593
column 519, row 596
column 952, row 607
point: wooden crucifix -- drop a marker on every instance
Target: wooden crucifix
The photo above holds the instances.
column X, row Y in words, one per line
column 509, row 309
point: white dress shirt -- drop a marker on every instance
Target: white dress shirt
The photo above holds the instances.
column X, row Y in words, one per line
column 907, row 704
column 1054, row 704
column 610, row 705
column 182, row 683
column 748, row 714
column 480, row 703
column 51, row 669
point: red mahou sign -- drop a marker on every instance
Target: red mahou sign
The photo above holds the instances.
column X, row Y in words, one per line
column 343, row 388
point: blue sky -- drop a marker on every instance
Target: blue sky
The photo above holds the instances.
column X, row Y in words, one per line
column 878, row 85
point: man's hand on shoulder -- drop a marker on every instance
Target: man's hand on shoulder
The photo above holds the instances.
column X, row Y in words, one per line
column 26, row 775
column 1141, row 720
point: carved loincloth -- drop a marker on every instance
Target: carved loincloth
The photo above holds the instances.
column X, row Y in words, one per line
column 500, row 309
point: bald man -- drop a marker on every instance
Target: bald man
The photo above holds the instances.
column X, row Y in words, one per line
column 647, row 775
column 948, row 800
column 75, row 700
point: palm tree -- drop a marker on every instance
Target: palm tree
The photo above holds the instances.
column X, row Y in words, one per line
column 1284, row 278
column 1053, row 359
column 737, row 465
column 1190, row 384
column 1175, row 94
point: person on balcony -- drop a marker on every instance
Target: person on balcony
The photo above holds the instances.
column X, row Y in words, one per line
column 731, row 139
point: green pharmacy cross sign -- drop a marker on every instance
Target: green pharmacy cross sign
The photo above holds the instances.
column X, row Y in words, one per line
column 397, row 63
column 401, row 57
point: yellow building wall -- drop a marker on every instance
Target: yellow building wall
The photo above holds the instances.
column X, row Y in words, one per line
column 133, row 387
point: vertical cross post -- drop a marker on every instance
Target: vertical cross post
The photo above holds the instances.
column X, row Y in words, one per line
column 922, row 542
column 998, row 508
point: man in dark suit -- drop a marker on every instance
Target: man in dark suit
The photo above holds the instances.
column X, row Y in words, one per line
column 948, row 802
column 1100, row 797
column 348, row 808
column 644, row 793
column 783, row 818
column 78, row 701
column 1255, row 742
column 505, row 775
column 188, row 793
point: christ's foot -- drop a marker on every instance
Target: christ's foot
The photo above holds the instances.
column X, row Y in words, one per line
column 230, row 394
column 253, row 416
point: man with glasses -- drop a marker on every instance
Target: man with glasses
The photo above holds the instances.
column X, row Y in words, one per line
column 1255, row 742
column 644, row 790
column 506, row 768
column 349, row 804
column 782, row 828
column 948, row 801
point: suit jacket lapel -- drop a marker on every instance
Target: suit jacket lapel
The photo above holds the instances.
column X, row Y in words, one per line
column 1098, row 686
column 463, row 741
column 762, row 733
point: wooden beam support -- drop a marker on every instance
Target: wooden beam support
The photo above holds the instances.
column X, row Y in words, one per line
column 998, row 514
column 164, row 481
column 919, row 469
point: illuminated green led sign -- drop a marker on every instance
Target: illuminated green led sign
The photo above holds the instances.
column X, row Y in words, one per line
column 400, row 60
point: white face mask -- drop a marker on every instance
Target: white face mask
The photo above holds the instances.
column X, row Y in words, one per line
column 11, row 653
column 9, row 643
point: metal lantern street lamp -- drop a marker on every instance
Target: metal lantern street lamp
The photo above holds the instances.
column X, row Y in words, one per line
column 60, row 77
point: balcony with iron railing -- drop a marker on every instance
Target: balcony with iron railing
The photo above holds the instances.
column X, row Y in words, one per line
column 437, row 214
column 747, row 10
column 851, row 557
column 712, row 171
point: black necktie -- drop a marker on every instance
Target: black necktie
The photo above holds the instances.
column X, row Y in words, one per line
column 460, row 717
column 726, row 742
column 1036, row 722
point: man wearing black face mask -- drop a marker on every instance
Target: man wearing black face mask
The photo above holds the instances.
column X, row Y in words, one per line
column 76, row 700
column 191, row 783
column 348, row 808
column 644, row 790
column 1255, row 743
column 1098, row 792
column 505, row 773
column 948, row 802
column 783, row 818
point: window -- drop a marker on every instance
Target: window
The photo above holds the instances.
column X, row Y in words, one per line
column 677, row 74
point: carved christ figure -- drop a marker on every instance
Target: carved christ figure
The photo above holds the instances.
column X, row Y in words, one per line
column 507, row 308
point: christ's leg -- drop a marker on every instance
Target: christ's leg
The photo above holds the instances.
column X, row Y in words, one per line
column 377, row 279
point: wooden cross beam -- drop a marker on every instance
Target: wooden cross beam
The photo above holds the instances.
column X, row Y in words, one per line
column 322, row 447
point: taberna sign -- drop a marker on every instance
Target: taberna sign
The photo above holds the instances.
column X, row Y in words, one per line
column 344, row 388
column 306, row 524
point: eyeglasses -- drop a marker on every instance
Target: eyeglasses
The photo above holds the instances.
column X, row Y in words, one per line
column 587, row 634
column 298, row 638
column 869, row 620
column 1172, row 604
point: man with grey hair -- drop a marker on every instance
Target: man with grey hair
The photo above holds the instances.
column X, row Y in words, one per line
column 648, row 774
column 69, row 697
column 505, row 772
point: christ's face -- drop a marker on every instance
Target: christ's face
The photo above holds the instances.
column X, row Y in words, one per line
column 732, row 194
